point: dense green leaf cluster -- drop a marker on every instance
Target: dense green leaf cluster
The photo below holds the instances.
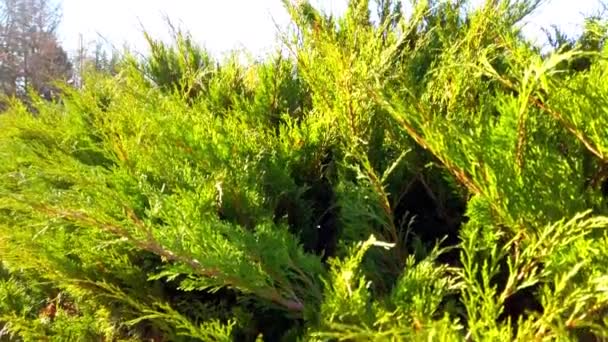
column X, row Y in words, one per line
column 430, row 176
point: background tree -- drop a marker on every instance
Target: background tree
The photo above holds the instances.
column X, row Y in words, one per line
column 30, row 54
column 96, row 56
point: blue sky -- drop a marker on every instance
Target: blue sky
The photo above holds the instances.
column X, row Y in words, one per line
column 222, row 25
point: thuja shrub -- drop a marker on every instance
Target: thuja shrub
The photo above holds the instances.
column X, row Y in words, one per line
column 388, row 177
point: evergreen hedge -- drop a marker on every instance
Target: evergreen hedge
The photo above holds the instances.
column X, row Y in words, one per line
column 432, row 177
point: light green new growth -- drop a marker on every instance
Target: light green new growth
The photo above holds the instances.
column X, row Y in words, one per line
column 431, row 176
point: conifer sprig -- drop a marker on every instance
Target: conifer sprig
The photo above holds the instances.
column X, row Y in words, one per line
column 430, row 176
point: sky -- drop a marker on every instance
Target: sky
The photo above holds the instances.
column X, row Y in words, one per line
column 223, row 25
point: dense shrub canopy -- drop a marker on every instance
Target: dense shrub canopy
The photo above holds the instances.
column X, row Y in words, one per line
column 433, row 176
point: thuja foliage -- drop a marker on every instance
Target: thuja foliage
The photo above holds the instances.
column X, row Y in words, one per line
column 389, row 177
